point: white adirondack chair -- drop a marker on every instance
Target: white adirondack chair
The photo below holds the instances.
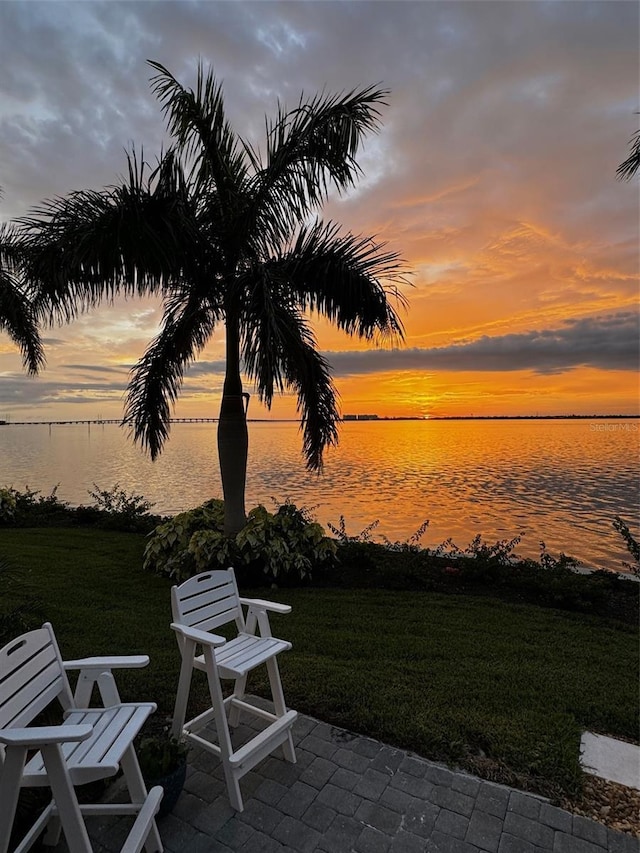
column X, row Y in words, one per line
column 200, row 605
column 91, row 743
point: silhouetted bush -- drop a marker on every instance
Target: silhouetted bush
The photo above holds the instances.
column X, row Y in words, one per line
column 112, row 509
column 549, row 583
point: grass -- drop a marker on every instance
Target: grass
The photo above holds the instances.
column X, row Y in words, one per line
column 502, row 689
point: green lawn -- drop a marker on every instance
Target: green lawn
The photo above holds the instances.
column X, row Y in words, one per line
column 499, row 688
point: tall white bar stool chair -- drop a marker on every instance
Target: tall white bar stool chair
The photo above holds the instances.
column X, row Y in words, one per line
column 201, row 605
column 90, row 743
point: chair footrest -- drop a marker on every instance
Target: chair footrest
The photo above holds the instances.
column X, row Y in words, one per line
column 263, row 743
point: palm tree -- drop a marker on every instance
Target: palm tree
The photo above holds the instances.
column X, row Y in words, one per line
column 17, row 316
column 627, row 169
column 226, row 237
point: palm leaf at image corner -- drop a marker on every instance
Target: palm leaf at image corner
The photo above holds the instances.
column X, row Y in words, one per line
column 627, row 169
column 17, row 316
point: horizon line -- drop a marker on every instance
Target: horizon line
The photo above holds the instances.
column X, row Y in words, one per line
column 343, row 419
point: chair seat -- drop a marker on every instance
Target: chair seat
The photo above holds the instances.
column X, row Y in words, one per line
column 99, row 755
column 242, row 654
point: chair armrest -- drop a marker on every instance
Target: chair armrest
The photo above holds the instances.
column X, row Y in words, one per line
column 198, row 636
column 98, row 670
column 258, row 614
column 273, row 606
column 117, row 662
column 38, row 736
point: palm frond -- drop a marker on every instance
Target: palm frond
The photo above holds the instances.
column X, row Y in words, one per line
column 270, row 323
column 197, row 121
column 156, row 379
column 309, row 148
column 17, row 316
column 279, row 352
column 129, row 239
column 309, row 374
column 348, row 279
column 320, row 138
column 627, row 169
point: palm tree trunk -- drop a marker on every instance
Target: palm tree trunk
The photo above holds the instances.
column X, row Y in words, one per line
column 233, row 438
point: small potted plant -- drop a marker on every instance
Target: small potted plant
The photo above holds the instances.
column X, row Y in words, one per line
column 163, row 761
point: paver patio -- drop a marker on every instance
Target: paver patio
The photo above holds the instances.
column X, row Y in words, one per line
column 351, row 794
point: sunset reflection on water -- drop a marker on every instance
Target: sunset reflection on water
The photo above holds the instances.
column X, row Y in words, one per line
column 563, row 481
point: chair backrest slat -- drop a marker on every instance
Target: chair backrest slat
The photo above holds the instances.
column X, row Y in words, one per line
column 31, row 677
column 207, row 601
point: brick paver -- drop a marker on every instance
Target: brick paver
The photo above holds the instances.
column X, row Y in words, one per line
column 350, row 794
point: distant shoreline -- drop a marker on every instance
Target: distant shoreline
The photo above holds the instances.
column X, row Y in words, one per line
column 353, row 419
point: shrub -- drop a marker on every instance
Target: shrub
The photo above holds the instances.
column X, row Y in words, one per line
column 7, row 505
column 501, row 553
column 113, row 509
column 411, row 545
column 371, row 565
column 483, row 568
column 340, row 532
column 283, row 545
column 167, row 551
column 118, row 502
column 116, row 509
column 160, row 755
column 633, row 547
column 30, row 508
column 563, row 562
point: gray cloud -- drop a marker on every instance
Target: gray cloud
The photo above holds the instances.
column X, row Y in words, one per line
column 476, row 86
column 607, row 343
column 18, row 391
column 201, row 368
column 499, row 114
column 96, row 368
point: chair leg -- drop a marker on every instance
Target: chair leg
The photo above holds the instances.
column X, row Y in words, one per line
column 233, row 789
column 184, row 685
column 138, row 794
column 280, row 707
column 239, row 690
column 75, row 831
column 9, row 790
column 222, row 728
column 240, row 686
column 54, row 830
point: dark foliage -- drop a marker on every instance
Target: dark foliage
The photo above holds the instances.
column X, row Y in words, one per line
column 32, row 509
column 372, row 566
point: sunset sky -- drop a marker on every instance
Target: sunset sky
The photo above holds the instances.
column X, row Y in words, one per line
column 493, row 175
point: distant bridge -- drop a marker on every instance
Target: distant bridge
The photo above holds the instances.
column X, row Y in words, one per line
column 103, row 421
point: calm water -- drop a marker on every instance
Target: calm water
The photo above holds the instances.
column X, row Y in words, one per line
column 561, row 481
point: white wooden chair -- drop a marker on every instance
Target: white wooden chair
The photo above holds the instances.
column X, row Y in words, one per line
column 200, row 605
column 91, row 743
